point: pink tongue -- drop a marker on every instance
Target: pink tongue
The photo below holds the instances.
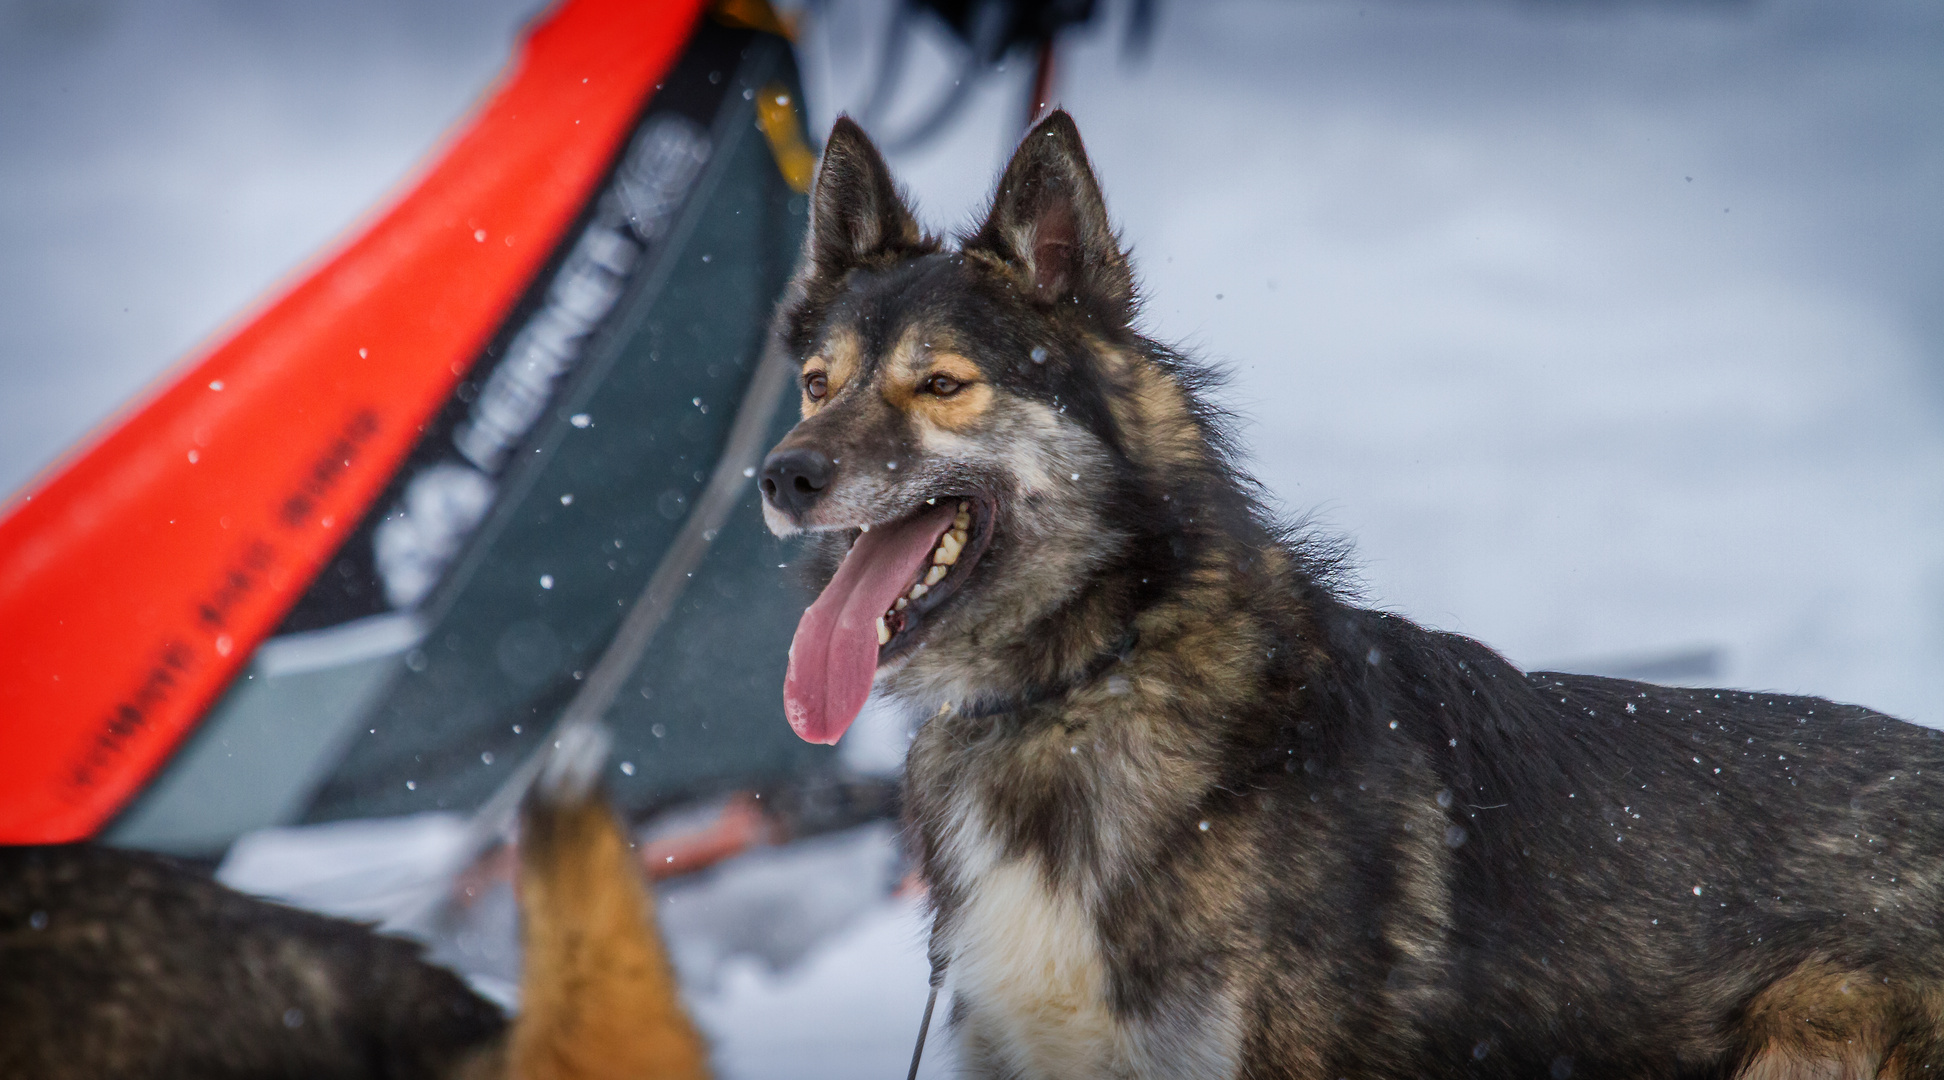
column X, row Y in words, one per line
column 834, row 655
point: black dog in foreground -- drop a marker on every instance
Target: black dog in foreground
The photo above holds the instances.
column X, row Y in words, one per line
column 1187, row 812
column 124, row 965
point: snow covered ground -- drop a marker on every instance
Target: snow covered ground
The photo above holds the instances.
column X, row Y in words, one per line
column 1610, row 331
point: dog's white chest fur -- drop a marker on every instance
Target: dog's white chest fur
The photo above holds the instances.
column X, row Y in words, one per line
column 1028, row 967
column 1028, row 964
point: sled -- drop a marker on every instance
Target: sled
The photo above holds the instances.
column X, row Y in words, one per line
column 357, row 557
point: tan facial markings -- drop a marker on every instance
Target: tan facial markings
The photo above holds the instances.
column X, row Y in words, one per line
column 828, row 370
column 926, row 378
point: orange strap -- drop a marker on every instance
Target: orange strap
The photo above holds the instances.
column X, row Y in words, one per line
column 136, row 579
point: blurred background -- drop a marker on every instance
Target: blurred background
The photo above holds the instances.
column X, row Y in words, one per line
column 1611, row 332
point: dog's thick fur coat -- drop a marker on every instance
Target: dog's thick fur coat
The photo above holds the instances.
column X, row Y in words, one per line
column 128, row 965
column 119, row 964
column 1187, row 812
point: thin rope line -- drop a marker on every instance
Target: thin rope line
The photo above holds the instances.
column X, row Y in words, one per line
column 931, row 1000
column 924, row 1026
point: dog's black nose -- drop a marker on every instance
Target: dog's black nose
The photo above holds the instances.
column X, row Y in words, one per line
column 793, row 479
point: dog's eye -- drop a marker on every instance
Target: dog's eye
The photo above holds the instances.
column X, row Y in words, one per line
column 943, row 385
column 816, row 385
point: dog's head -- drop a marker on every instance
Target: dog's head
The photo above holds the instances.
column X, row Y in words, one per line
column 976, row 426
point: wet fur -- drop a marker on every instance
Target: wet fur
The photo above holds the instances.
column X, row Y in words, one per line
column 1186, row 811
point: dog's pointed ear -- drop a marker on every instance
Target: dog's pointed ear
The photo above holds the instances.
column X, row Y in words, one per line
column 1049, row 221
column 856, row 213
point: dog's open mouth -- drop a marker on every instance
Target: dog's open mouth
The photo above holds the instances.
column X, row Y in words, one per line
column 894, row 576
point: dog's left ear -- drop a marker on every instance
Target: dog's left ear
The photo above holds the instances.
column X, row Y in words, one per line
column 1049, row 221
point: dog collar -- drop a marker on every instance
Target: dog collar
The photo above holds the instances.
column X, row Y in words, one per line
column 1095, row 669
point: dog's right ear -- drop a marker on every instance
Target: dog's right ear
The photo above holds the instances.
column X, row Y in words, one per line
column 856, row 214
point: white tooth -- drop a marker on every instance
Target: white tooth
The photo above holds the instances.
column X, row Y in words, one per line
column 936, row 574
column 949, row 547
column 959, row 535
column 919, row 590
column 884, row 631
column 962, row 522
column 965, row 507
column 901, row 604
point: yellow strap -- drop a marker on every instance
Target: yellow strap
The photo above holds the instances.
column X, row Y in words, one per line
column 777, row 114
column 752, row 15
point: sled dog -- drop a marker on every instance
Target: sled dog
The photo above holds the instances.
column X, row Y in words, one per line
column 118, row 964
column 1187, row 811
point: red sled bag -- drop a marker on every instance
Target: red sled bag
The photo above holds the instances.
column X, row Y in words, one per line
column 139, row 576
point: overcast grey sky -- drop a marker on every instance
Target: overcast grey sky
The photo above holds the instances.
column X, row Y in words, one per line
column 1606, row 329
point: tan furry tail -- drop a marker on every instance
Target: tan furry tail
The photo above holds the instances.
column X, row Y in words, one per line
column 598, row 995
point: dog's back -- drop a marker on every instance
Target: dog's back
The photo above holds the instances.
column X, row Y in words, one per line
column 124, row 965
column 1576, row 873
column 121, row 964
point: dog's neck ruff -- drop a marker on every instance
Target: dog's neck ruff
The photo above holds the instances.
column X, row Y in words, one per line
column 980, row 709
